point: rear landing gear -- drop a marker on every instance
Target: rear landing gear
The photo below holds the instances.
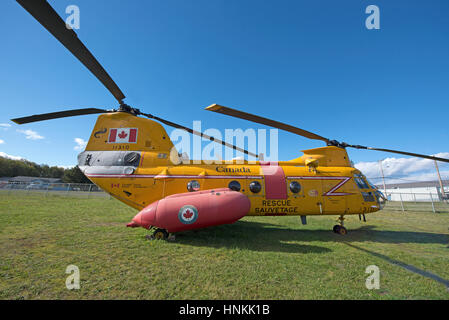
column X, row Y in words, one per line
column 160, row 234
column 339, row 228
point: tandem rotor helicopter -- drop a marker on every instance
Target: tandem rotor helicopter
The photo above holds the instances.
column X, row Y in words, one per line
column 130, row 156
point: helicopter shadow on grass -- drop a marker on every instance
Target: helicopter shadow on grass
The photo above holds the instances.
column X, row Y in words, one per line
column 408, row 267
column 252, row 236
column 257, row 236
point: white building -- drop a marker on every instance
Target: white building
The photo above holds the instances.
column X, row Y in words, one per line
column 416, row 191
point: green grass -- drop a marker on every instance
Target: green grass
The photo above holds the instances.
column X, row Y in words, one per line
column 255, row 258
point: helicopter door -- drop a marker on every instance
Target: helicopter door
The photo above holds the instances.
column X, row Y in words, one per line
column 274, row 181
column 312, row 202
column 334, row 202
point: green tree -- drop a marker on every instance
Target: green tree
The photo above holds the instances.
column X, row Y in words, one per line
column 75, row 175
column 14, row 168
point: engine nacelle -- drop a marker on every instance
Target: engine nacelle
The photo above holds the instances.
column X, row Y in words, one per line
column 194, row 210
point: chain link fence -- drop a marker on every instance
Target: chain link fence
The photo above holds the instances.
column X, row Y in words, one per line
column 406, row 201
column 82, row 190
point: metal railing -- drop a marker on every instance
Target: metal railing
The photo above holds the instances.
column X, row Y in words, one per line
column 82, row 190
column 407, row 201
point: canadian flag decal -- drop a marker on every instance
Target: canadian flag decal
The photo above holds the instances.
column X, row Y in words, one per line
column 122, row 135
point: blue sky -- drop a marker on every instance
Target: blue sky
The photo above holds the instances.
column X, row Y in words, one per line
column 312, row 64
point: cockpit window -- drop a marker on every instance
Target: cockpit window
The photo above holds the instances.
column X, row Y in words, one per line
column 371, row 185
column 361, row 183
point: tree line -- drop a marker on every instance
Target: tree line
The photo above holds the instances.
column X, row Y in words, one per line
column 14, row 168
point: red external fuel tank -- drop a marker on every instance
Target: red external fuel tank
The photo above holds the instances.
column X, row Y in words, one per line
column 194, row 210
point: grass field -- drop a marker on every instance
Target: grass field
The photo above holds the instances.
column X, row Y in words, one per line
column 255, row 258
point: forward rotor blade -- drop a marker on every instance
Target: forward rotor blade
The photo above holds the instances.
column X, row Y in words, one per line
column 272, row 123
column 401, row 152
column 56, row 115
column 205, row 136
column 47, row 17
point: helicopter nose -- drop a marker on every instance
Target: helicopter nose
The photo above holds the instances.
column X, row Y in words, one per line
column 145, row 218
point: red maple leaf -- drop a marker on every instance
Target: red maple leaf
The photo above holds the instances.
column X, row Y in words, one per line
column 188, row 214
column 122, row 135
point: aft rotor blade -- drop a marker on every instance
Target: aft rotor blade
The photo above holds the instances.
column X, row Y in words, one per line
column 56, row 115
column 401, row 152
column 205, row 136
column 47, row 17
column 272, row 123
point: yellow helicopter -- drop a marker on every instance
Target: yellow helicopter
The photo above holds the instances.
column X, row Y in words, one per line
column 129, row 155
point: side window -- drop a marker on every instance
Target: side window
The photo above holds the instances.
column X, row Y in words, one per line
column 234, row 185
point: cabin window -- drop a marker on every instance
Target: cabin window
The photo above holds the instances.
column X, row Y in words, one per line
column 234, row 185
column 295, row 187
column 360, row 182
column 193, row 186
column 255, row 187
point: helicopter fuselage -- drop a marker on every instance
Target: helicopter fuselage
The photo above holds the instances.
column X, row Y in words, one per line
column 132, row 159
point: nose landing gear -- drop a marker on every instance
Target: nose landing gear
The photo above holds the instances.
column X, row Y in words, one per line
column 339, row 228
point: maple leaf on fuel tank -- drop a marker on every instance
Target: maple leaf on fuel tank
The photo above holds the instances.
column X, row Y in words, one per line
column 122, row 135
column 188, row 214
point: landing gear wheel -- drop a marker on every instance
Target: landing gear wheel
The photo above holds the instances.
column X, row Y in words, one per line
column 160, row 234
column 335, row 229
column 342, row 230
column 338, row 228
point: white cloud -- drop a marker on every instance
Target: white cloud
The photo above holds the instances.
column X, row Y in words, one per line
column 8, row 156
column 5, row 126
column 2, row 141
column 31, row 135
column 398, row 170
column 81, row 144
